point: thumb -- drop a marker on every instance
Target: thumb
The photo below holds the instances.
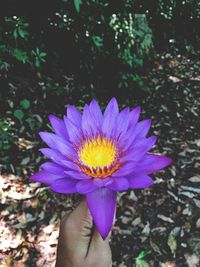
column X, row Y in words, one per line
column 82, row 220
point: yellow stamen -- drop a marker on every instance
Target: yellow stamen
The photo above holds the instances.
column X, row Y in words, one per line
column 98, row 157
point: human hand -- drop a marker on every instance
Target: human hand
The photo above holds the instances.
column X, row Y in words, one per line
column 80, row 244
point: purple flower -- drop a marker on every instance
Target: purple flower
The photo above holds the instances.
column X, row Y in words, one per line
column 99, row 155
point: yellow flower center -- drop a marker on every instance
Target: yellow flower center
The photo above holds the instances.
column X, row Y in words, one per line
column 98, row 157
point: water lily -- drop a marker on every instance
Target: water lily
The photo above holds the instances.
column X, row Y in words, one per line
column 99, row 154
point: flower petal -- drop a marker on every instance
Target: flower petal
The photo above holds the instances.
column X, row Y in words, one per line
column 140, row 181
column 77, row 175
column 73, row 115
column 102, row 203
column 119, row 184
column 111, row 107
column 136, row 131
column 125, row 169
column 52, row 154
column 134, row 116
column 58, row 158
column 58, row 126
column 85, row 186
column 139, row 149
column 96, row 112
column 110, row 115
column 54, row 168
column 45, row 177
column 55, row 142
column 73, row 130
column 122, row 122
column 151, row 163
column 89, row 126
column 99, row 182
column 70, row 165
column 65, row 186
column 142, row 128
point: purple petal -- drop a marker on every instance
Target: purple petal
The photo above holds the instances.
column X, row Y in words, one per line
column 142, row 128
column 96, row 112
column 112, row 107
column 53, row 168
column 139, row 181
column 132, row 157
column 65, row 186
column 110, row 115
column 85, row 186
column 119, row 184
column 58, row 158
column 125, row 169
column 70, row 165
column 52, row 154
column 99, row 182
column 55, row 142
column 134, row 116
column 73, row 130
column 58, row 126
column 122, row 122
column 136, row 131
column 151, row 163
column 77, row 175
column 140, row 147
column 89, row 126
column 102, row 203
column 74, row 115
column 45, row 177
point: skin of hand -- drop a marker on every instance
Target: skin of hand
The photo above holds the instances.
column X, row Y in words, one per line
column 80, row 244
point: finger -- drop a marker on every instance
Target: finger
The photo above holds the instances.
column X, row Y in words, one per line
column 76, row 230
column 102, row 246
column 82, row 219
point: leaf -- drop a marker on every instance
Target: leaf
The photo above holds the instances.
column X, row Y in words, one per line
column 172, row 243
column 142, row 263
column 19, row 114
column 25, row 161
column 23, row 33
column 15, row 34
column 43, row 54
column 140, row 259
column 77, row 4
column 20, row 55
column 197, row 142
column 97, row 40
column 142, row 255
column 25, row 103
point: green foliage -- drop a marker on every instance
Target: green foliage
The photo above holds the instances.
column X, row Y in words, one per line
column 129, row 79
column 4, row 65
column 5, row 136
column 133, row 38
column 98, row 41
column 122, row 39
column 38, row 57
column 19, row 114
column 140, row 260
column 18, row 27
column 25, row 103
column 20, row 55
column 15, row 45
column 94, row 37
column 77, row 4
